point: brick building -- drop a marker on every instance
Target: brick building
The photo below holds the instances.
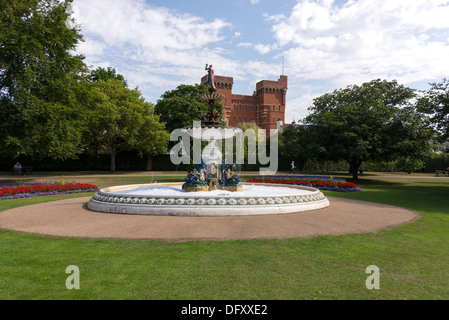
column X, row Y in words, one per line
column 265, row 107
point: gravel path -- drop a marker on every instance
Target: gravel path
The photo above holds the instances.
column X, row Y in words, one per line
column 71, row 218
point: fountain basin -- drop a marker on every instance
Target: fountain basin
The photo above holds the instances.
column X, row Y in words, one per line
column 170, row 199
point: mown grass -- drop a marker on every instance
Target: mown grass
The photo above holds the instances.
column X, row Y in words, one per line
column 412, row 258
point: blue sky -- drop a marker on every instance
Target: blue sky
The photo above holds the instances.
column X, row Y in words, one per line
column 321, row 45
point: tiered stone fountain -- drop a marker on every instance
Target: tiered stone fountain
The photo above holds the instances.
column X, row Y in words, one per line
column 212, row 189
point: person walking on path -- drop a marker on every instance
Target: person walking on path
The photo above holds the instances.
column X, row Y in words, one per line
column 292, row 167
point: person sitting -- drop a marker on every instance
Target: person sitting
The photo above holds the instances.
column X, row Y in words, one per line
column 18, row 168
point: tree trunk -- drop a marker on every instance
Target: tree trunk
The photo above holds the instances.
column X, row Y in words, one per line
column 354, row 166
column 113, row 161
column 150, row 164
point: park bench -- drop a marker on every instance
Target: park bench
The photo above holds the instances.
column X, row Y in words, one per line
column 24, row 171
column 438, row 172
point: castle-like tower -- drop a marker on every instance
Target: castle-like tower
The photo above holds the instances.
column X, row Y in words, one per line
column 265, row 107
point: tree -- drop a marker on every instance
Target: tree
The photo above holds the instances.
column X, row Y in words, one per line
column 106, row 74
column 180, row 107
column 121, row 120
column 291, row 144
column 435, row 102
column 39, row 75
column 374, row 121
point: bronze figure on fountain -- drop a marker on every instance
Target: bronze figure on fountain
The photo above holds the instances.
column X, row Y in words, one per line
column 211, row 176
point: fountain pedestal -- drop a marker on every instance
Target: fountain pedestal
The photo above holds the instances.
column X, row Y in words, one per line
column 211, row 188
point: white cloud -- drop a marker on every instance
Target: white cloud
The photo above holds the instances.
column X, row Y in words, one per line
column 259, row 47
column 262, row 48
column 297, row 107
column 362, row 40
column 245, row 44
column 254, row 1
column 153, row 47
column 236, row 35
column 91, row 48
column 155, row 30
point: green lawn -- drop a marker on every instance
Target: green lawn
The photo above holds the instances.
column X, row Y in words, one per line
column 413, row 259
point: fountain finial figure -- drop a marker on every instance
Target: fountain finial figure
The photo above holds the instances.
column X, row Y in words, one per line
column 210, row 76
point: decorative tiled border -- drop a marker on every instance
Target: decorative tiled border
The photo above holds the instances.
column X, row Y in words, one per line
column 222, row 201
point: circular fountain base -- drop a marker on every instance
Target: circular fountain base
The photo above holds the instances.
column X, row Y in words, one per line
column 170, row 199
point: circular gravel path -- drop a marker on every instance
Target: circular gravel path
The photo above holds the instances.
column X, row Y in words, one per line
column 71, row 218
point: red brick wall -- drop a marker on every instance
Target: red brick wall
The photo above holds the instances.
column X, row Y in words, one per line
column 265, row 106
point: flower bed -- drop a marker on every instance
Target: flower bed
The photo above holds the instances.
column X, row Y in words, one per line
column 318, row 182
column 34, row 190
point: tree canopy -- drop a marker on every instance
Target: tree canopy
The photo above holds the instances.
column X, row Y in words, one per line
column 373, row 121
column 435, row 102
column 106, row 74
column 120, row 119
column 178, row 108
column 38, row 78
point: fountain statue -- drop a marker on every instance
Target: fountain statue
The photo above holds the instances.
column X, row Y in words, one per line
column 213, row 176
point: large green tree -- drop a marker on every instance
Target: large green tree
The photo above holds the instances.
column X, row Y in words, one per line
column 121, row 120
column 180, row 107
column 435, row 102
column 373, row 121
column 39, row 76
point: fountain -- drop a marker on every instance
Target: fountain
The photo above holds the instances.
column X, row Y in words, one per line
column 211, row 189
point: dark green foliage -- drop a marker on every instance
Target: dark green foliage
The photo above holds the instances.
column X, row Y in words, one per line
column 435, row 102
column 106, row 74
column 38, row 79
column 374, row 121
column 180, row 107
column 119, row 119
